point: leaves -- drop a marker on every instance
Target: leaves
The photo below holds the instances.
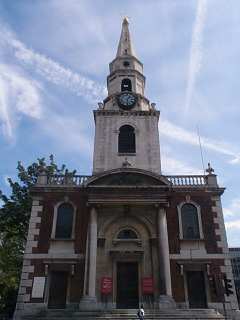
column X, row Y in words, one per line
column 14, row 219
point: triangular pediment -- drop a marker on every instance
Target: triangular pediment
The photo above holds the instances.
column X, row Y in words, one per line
column 127, row 177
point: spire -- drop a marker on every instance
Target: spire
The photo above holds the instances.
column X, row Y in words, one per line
column 125, row 46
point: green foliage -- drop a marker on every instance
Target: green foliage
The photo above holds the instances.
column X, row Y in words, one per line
column 14, row 219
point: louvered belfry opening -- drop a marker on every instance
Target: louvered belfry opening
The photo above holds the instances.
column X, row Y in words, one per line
column 126, row 140
column 126, row 85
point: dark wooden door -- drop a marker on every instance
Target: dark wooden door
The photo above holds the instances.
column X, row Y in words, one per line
column 196, row 289
column 127, row 285
column 58, row 290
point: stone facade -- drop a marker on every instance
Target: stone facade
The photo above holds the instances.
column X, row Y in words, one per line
column 106, row 156
column 129, row 224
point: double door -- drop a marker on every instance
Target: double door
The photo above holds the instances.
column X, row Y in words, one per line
column 58, row 290
column 196, row 289
column 127, row 285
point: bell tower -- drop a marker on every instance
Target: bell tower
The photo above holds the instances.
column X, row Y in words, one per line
column 126, row 132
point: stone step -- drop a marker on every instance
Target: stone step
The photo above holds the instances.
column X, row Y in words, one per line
column 129, row 314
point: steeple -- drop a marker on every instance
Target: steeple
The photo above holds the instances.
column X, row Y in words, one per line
column 126, row 122
column 125, row 45
column 126, row 71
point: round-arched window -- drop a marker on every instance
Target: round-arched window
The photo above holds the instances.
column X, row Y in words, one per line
column 127, row 234
column 126, row 140
column 190, row 224
column 126, row 85
column 64, row 222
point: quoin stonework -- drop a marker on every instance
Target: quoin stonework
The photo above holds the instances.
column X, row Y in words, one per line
column 127, row 234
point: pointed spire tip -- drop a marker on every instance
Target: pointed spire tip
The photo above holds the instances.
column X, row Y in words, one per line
column 125, row 45
column 125, row 20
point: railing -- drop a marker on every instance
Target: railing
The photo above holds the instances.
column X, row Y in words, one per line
column 79, row 180
column 188, row 180
column 75, row 180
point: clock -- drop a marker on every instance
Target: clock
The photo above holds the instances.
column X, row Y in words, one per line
column 127, row 100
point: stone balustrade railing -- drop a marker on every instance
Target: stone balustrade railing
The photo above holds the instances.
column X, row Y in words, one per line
column 186, row 180
column 75, row 180
column 176, row 181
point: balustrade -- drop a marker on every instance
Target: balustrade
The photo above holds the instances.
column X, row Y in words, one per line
column 80, row 180
column 187, row 180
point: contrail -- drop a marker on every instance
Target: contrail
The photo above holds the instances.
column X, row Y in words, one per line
column 4, row 115
column 170, row 130
column 19, row 95
column 51, row 70
column 196, row 51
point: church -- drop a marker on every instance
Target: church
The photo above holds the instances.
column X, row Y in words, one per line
column 126, row 235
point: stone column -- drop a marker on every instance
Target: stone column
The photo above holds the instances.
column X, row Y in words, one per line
column 89, row 301
column 165, row 298
column 92, row 253
column 85, row 285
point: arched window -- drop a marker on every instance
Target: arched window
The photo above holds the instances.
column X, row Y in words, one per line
column 127, row 234
column 126, row 85
column 64, row 222
column 190, row 224
column 126, row 140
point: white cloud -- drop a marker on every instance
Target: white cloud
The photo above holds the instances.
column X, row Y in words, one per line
column 235, row 161
column 18, row 95
column 233, row 224
column 174, row 166
column 171, row 130
column 53, row 71
column 69, row 134
column 196, row 51
column 233, row 210
column 4, row 114
column 21, row 94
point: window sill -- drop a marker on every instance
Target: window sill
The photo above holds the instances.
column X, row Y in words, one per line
column 127, row 154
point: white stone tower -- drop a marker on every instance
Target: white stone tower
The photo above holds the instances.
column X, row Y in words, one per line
column 126, row 122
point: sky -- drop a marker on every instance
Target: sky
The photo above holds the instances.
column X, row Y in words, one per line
column 54, row 58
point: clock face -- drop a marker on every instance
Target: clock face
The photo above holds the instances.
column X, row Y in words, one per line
column 127, row 100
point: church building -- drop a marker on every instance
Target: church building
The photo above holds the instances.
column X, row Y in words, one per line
column 127, row 234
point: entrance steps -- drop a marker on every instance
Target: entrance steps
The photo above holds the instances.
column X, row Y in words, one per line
column 129, row 314
column 172, row 314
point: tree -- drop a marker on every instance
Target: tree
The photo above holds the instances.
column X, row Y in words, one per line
column 14, row 219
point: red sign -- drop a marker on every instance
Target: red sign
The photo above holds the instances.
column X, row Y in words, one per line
column 106, row 285
column 147, row 285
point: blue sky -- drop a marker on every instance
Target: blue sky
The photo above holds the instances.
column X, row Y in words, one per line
column 54, row 58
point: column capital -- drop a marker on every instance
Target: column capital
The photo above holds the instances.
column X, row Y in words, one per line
column 162, row 210
column 93, row 214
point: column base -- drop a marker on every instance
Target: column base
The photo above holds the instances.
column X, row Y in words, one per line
column 88, row 303
column 166, row 302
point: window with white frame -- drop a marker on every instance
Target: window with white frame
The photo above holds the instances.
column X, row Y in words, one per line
column 190, row 222
column 64, row 221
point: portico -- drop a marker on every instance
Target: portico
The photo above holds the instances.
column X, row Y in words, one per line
column 127, row 230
